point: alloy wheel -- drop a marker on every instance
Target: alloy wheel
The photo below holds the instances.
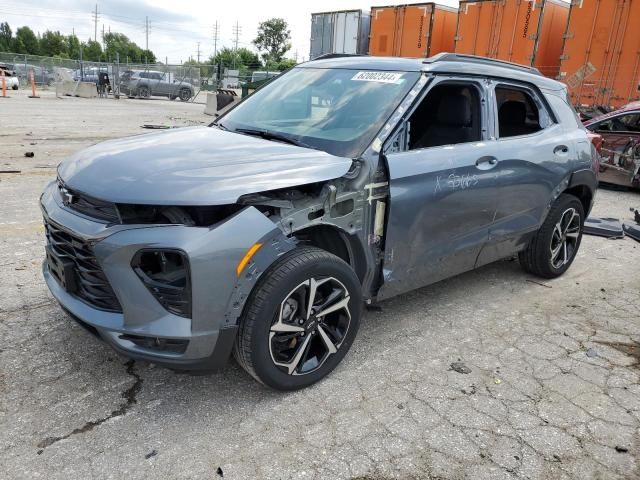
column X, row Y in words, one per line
column 310, row 326
column 564, row 240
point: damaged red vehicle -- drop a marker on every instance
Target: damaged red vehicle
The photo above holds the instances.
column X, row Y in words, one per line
column 620, row 129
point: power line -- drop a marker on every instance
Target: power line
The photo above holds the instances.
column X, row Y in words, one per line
column 236, row 32
column 215, row 39
column 146, row 25
column 95, row 24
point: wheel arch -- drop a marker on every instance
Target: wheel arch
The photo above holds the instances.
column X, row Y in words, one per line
column 583, row 185
column 338, row 242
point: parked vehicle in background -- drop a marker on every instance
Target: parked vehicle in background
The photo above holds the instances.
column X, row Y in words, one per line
column 343, row 32
column 147, row 83
column 620, row 163
column 10, row 79
column 600, row 62
column 259, row 76
column 527, row 32
column 343, row 181
column 418, row 30
column 41, row 75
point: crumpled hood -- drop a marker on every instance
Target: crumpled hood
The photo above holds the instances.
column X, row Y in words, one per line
column 194, row 166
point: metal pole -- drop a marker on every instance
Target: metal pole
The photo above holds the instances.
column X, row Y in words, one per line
column 95, row 25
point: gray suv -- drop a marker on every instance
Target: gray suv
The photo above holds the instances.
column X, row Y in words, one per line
column 147, row 83
column 344, row 182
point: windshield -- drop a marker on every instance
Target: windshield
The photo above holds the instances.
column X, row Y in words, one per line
column 338, row 111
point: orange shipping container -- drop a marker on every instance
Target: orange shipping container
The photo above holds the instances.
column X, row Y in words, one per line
column 528, row 32
column 418, row 30
column 601, row 57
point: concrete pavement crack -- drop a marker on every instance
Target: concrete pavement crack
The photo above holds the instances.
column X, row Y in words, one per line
column 129, row 396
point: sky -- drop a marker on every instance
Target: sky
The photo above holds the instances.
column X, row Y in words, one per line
column 176, row 26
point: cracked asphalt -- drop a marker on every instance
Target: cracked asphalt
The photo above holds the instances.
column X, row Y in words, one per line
column 490, row 375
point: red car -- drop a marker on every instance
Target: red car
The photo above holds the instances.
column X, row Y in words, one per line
column 620, row 162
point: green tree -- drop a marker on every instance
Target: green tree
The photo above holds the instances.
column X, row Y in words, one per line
column 117, row 43
column 286, row 64
column 52, row 44
column 243, row 59
column 91, row 51
column 73, row 47
column 6, row 37
column 26, row 41
column 273, row 40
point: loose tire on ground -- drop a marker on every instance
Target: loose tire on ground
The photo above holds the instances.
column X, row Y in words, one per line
column 267, row 339
column 538, row 258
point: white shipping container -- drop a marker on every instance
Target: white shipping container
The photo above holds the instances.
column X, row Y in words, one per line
column 340, row 32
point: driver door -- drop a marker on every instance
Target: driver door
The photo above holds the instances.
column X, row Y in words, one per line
column 442, row 188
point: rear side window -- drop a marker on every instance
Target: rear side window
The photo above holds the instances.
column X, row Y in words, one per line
column 518, row 113
column 622, row 123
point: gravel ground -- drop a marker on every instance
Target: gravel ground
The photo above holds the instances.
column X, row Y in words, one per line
column 491, row 374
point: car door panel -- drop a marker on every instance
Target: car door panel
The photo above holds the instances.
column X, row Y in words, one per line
column 441, row 207
column 530, row 168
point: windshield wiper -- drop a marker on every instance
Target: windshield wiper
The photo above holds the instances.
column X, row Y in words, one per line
column 268, row 135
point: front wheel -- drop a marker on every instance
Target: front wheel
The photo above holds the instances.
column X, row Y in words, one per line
column 554, row 247
column 300, row 320
column 144, row 92
column 185, row 94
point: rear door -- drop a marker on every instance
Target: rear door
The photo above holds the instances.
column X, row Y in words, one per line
column 442, row 188
column 534, row 154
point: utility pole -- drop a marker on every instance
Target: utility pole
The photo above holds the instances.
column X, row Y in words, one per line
column 236, row 32
column 103, row 42
column 146, row 28
column 215, row 40
column 95, row 24
column 198, row 52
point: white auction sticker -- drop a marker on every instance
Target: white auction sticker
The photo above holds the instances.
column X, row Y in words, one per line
column 382, row 77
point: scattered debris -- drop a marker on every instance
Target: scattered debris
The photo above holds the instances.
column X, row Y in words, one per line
column 497, row 381
column 591, row 352
column 620, row 449
column 400, row 406
column 539, row 283
column 152, row 453
column 220, row 472
column 604, row 227
column 10, row 171
column 29, row 154
column 632, row 231
column 156, row 127
column 460, row 367
column 470, row 390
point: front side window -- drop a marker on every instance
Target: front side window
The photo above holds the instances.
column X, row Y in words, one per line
column 335, row 110
column 518, row 113
column 448, row 115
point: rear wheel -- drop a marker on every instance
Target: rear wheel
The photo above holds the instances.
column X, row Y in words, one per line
column 554, row 247
column 144, row 92
column 300, row 320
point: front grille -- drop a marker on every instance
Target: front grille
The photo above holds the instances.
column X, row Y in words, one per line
column 87, row 205
column 88, row 282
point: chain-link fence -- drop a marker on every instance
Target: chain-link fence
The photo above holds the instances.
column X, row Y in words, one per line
column 183, row 82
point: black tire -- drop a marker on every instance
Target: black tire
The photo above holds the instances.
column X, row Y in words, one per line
column 256, row 340
column 538, row 258
column 15, row 87
column 185, row 95
column 144, row 92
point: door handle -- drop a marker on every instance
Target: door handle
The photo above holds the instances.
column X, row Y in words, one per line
column 561, row 150
column 486, row 163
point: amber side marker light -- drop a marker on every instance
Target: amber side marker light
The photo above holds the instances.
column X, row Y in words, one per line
column 247, row 257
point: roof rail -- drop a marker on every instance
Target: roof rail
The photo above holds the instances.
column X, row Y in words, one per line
column 456, row 57
column 326, row 56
